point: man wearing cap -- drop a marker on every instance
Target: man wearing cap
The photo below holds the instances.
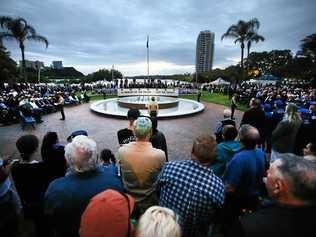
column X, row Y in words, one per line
column 140, row 165
column 77, row 133
column 67, row 197
column 107, row 215
column 126, row 135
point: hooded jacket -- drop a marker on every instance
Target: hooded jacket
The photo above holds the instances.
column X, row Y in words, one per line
column 224, row 152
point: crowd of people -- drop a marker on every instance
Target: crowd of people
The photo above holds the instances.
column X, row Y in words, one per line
column 256, row 178
column 228, row 187
column 37, row 99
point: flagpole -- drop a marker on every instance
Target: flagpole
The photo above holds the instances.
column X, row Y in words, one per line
column 112, row 72
column 148, row 56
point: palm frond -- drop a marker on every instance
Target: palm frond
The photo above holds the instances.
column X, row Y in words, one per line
column 30, row 30
column 258, row 38
column 38, row 38
column 239, row 40
column 4, row 21
column 254, row 24
column 6, row 36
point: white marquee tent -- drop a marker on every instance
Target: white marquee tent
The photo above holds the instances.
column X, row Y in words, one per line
column 219, row 82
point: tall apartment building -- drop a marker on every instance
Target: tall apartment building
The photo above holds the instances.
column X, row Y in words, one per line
column 204, row 51
column 57, row 64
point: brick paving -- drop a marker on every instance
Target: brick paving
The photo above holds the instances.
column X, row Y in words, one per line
column 179, row 132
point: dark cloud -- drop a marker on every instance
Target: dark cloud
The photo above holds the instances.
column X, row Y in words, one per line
column 92, row 34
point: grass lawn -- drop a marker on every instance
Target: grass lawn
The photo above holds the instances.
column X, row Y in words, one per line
column 216, row 98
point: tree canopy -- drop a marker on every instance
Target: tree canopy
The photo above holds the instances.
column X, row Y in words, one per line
column 8, row 68
column 19, row 30
column 103, row 74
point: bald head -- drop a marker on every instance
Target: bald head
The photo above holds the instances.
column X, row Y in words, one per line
column 249, row 136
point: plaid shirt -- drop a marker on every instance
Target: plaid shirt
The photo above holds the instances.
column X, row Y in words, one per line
column 193, row 192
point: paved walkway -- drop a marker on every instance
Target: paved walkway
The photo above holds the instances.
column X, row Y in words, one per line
column 179, row 132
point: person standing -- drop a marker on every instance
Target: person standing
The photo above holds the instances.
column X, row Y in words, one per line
column 60, row 105
column 233, row 105
column 199, row 96
column 153, row 107
column 140, row 165
column 67, row 197
column 290, row 184
column 255, row 117
column 126, row 135
column 284, row 135
column 191, row 189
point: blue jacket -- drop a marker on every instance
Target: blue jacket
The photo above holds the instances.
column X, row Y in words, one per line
column 67, row 197
column 224, row 153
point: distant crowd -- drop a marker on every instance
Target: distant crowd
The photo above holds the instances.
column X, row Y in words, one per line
column 39, row 99
column 233, row 185
column 36, row 100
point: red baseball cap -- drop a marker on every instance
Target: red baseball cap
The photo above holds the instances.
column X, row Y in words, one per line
column 107, row 215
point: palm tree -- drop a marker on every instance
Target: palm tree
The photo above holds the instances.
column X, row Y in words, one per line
column 308, row 46
column 253, row 36
column 243, row 32
column 18, row 29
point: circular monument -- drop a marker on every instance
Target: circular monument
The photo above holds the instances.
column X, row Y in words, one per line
column 140, row 102
column 168, row 106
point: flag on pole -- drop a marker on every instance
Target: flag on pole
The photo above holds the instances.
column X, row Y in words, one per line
column 147, row 45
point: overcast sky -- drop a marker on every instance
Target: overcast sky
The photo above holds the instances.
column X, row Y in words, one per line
column 95, row 34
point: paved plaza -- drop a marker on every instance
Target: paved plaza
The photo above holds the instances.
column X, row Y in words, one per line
column 179, row 132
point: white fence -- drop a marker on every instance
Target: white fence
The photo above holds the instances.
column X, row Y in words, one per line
column 148, row 92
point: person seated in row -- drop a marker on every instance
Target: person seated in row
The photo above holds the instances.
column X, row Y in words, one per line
column 225, row 150
column 66, row 198
column 28, row 109
column 140, row 165
column 191, row 189
column 291, row 185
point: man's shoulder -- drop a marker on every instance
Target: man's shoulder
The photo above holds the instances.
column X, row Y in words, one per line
column 187, row 167
column 123, row 130
column 158, row 152
column 275, row 219
column 243, row 153
column 57, row 186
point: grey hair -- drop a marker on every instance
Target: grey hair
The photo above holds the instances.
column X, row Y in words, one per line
column 81, row 154
column 300, row 176
column 227, row 113
column 249, row 136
